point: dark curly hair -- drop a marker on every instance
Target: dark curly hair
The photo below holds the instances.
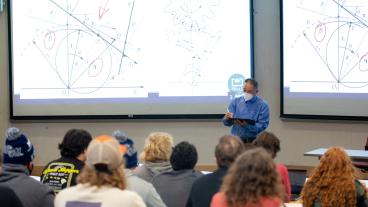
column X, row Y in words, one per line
column 184, row 156
column 269, row 142
column 252, row 176
column 227, row 150
column 75, row 142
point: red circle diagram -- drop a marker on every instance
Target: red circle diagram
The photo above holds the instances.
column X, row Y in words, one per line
column 95, row 67
column 363, row 63
column 49, row 40
column 320, row 32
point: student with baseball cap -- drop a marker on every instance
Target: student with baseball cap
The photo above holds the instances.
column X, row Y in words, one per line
column 102, row 182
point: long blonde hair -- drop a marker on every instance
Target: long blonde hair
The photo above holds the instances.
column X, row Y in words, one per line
column 158, row 147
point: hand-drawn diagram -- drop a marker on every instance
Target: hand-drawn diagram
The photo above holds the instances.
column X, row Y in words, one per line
column 330, row 52
column 127, row 49
column 192, row 30
column 83, row 45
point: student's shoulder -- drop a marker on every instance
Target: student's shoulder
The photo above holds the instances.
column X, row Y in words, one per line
column 361, row 188
column 31, row 183
column 203, row 181
column 162, row 176
column 282, row 167
column 124, row 194
column 218, row 200
column 5, row 191
column 68, row 191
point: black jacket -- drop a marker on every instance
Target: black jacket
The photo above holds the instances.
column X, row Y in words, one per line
column 205, row 187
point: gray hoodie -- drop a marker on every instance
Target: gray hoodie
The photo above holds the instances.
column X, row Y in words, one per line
column 151, row 169
column 144, row 189
column 174, row 187
column 30, row 192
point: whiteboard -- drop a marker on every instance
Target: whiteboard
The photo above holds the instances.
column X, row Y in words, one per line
column 105, row 57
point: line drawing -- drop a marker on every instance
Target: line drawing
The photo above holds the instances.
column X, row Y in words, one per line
column 106, row 48
column 191, row 30
column 82, row 48
column 335, row 34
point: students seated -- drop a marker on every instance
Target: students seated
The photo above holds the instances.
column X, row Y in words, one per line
column 62, row 172
column 203, row 189
column 252, row 181
column 18, row 156
column 333, row 183
column 271, row 144
column 102, row 182
column 174, row 186
column 144, row 189
column 7, row 195
column 155, row 156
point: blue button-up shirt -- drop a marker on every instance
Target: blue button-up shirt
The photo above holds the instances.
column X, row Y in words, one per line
column 256, row 109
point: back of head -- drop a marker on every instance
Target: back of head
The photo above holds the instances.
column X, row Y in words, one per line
column 130, row 153
column 269, row 142
column 184, row 156
column 104, row 164
column 75, row 142
column 333, row 181
column 251, row 177
column 158, row 147
column 227, row 150
column 18, row 149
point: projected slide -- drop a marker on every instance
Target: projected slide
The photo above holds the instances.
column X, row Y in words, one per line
column 113, row 52
column 326, row 46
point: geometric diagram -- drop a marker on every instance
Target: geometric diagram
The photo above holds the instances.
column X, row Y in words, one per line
column 191, row 31
column 331, row 51
column 84, row 49
column 128, row 49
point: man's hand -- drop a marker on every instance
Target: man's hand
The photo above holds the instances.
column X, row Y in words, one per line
column 228, row 115
column 241, row 123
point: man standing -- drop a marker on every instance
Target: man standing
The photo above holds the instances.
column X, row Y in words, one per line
column 247, row 115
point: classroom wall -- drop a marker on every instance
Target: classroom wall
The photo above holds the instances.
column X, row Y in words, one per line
column 296, row 136
column 3, row 75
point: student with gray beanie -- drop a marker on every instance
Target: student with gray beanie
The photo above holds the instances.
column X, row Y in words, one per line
column 18, row 156
column 7, row 195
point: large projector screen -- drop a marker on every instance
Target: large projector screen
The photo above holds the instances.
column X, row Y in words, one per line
column 325, row 59
column 128, row 58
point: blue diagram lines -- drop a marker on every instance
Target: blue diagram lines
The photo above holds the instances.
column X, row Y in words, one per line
column 82, row 43
column 329, row 47
column 128, row 48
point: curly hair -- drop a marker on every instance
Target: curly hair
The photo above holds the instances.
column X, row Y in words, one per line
column 252, row 176
column 75, row 142
column 158, row 147
column 332, row 183
column 184, row 156
column 92, row 177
